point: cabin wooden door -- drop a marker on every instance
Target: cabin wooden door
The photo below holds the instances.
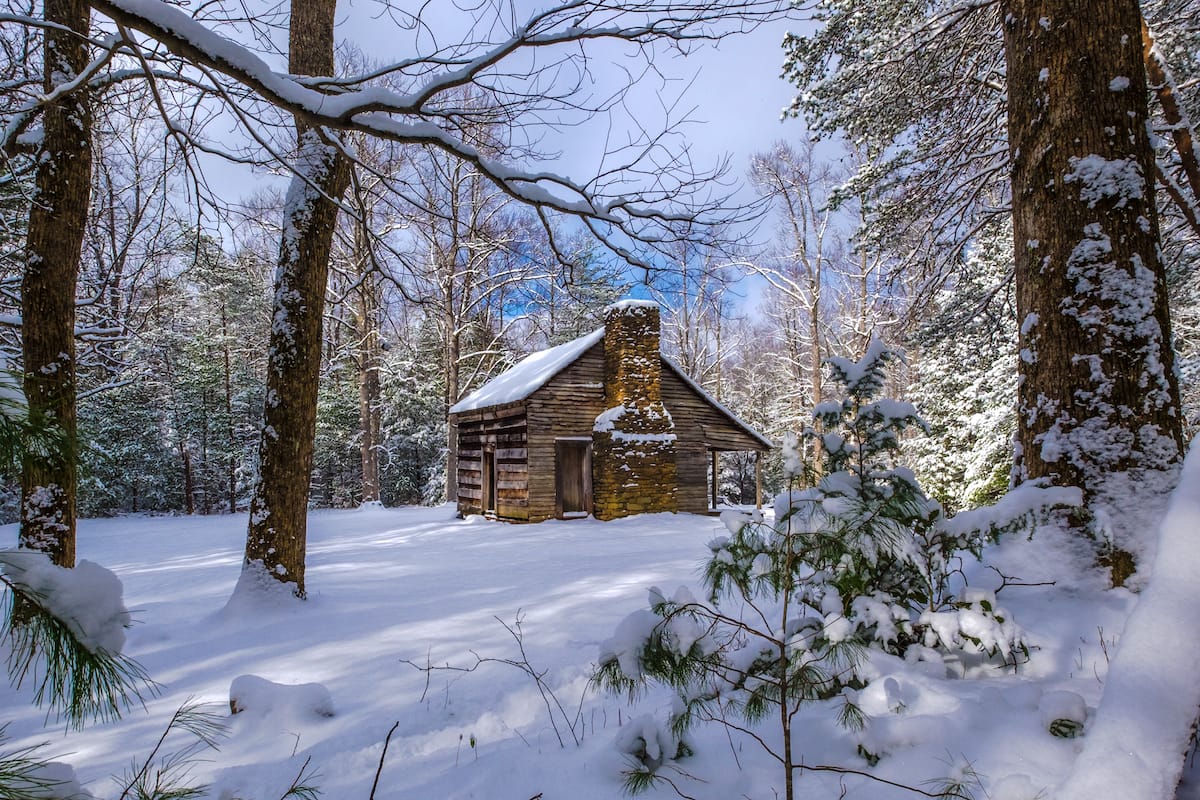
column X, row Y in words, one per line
column 573, row 477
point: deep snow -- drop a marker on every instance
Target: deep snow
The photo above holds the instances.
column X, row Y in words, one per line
column 417, row 584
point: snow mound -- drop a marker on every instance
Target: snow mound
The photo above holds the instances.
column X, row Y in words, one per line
column 53, row 780
column 1143, row 724
column 250, row 693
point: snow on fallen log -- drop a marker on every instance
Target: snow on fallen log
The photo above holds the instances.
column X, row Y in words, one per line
column 1143, row 725
column 263, row 697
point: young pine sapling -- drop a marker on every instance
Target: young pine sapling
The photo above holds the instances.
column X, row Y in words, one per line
column 862, row 560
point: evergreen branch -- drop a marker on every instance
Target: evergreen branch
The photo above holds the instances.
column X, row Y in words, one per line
column 171, row 774
column 300, row 787
column 79, row 684
column 19, row 773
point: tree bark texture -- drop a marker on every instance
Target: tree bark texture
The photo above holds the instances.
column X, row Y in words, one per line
column 55, row 238
column 1098, row 397
column 276, row 540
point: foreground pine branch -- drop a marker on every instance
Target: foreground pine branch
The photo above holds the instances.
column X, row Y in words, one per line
column 21, row 775
column 76, row 682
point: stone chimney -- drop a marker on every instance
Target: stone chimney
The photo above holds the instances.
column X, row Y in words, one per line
column 633, row 461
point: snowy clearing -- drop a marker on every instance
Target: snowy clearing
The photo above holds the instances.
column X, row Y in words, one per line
column 417, row 584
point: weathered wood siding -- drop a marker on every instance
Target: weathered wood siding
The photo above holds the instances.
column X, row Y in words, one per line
column 503, row 431
column 567, row 406
column 699, row 428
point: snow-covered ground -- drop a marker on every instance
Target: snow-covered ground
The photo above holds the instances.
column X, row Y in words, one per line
column 416, row 584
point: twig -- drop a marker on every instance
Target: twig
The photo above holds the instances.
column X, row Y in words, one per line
column 877, row 779
column 379, row 770
column 428, row 674
column 1013, row 580
column 554, row 706
column 674, row 786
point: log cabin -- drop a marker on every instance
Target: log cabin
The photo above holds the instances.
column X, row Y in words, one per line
column 604, row 425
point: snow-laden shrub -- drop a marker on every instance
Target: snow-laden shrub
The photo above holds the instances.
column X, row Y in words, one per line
column 862, row 559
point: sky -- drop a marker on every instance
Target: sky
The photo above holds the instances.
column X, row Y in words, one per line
column 730, row 94
column 732, row 89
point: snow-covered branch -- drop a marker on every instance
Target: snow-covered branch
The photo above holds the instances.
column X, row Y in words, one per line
column 524, row 89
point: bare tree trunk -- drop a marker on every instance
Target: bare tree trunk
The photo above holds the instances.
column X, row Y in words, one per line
column 1180, row 127
column 369, row 359
column 277, row 536
column 368, row 412
column 1099, row 402
column 57, row 220
column 230, row 433
column 189, row 483
column 452, row 355
column 816, row 348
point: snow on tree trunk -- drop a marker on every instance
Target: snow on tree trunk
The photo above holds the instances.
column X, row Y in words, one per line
column 57, row 219
column 276, row 541
column 1098, row 399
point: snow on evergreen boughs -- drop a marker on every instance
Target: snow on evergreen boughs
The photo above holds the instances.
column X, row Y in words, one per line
column 793, row 458
column 65, row 629
column 864, row 559
column 87, row 598
column 965, row 380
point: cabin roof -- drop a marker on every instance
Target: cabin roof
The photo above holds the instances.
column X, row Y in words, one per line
column 527, row 375
column 536, row 369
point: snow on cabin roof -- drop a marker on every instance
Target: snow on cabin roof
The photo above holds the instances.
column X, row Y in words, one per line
column 535, row 370
column 527, row 375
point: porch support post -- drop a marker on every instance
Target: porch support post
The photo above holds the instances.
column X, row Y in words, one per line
column 758, row 479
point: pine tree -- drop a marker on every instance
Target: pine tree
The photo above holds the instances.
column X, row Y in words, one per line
column 965, row 380
column 863, row 559
column 1098, row 399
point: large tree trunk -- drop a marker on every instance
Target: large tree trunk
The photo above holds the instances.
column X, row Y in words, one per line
column 276, row 541
column 1099, row 402
column 55, row 237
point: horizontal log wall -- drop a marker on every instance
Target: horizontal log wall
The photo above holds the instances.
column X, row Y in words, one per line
column 503, row 432
column 699, row 428
column 522, row 435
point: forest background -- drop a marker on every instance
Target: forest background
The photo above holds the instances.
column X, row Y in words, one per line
column 440, row 278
